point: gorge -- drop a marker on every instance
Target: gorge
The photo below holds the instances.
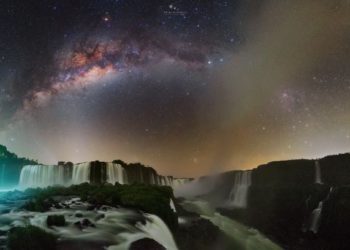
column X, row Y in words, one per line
column 316, row 191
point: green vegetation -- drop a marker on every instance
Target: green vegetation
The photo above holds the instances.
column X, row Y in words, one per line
column 10, row 167
column 55, row 220
column 148, row 198
column 30, row 238
column 5, row 155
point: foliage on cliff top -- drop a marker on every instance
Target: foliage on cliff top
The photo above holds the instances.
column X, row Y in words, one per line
column 6, row 155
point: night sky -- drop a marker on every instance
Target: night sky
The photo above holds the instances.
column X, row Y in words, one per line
column 189, row 87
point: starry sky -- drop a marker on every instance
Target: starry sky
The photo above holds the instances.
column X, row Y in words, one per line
column 189, row 87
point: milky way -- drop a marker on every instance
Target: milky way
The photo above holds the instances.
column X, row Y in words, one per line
column 189, row 87
column 88, row 61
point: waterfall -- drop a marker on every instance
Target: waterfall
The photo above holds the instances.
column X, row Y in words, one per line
column 64, row 175
column 318, row 173
column 41, row 176
column 81, row 173
column 116, row 173
column 179, row 182
column 316, row 214
column 157, row 230
column 154, row 228
column 166, row 181
column 239, row 194
column 153, row 180
column 316, row 218
column 2, row 175
column 172, row 205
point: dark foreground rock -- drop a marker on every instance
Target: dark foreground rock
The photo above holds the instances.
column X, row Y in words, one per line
column 201, row 234
column 146, row 244
column 30, row 238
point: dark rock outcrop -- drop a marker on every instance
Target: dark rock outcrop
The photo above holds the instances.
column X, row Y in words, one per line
column 146, row 244
column 201, row 234
column 98, row 172
column 284, row 194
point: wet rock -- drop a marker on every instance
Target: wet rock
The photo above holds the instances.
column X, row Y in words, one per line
column 78, row 225
column 84, row 224
column 55, row 220
column 87, row 223
column 100, row 216
column 146, row 244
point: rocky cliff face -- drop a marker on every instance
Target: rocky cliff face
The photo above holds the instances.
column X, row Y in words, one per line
column 301, row 204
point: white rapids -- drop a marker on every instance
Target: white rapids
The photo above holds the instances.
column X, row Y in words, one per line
column 111, row 227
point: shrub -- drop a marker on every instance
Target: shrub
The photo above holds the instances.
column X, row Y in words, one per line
column 30, row 238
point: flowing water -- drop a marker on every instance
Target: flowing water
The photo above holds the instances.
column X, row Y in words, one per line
column 154, row 229
column 2, row 175
column 116, row 173
column 81, row 173
column 318, row 178
column 316, row 215
column 41, row 176
column 239, row 194
column 316, row 218
column 112, row 228
column 246, row 238
column 44, row 176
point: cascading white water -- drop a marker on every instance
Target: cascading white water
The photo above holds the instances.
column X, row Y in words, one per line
column 116, row 173
column 172, row 205
column 41, row 176
column 2, row 175
column 316, row 214
column 315, row 218
column 81, row 173
column 177, row 182
column 165, row 181
column 154, row 228
column 153, row 179
column 318, row 178
column 239, row 194
column 115, row 227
